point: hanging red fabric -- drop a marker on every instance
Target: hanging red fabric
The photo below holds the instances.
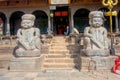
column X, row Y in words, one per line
column 64, row 13
column 58, row 13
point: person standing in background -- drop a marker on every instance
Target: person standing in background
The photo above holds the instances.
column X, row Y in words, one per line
column 67, row 30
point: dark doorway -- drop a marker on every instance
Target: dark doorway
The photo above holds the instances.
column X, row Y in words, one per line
column 60, row 20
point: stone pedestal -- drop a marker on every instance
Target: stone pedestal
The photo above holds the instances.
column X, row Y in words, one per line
column 96, row 63
column 100, row 52
column 117, row 50
column 26, row 63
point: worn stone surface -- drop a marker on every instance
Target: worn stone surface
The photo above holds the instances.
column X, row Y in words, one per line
column 95, row 35
column 28, row 38
column 44, row 49
column 99, row 52
column 96, row 63
column 117, row 50
column 19, row 53
column 26, row 64
column 59, row 75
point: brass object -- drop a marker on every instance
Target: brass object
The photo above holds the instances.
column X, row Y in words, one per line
column 114, row 13
column 110, row 4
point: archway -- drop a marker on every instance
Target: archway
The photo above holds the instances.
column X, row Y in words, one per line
column 15, row 22
column 81, row 19
column 41, row 21
column 2, row 24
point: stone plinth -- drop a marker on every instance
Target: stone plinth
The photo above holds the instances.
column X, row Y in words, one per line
column 117, row 50
column 95, row 52
column 96, row 63
column 26, row 63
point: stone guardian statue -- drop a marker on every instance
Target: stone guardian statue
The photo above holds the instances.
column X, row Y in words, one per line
column 96, row 42
column 28, row 42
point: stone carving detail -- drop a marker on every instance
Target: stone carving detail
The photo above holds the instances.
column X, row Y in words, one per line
column 28, row 42
column 95, row 36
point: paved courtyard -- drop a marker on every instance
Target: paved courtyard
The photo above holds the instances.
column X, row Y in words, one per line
column 58, row 75
column 74, row 74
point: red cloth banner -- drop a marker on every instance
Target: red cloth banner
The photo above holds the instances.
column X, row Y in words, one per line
column 64, row 13
column 57, row 13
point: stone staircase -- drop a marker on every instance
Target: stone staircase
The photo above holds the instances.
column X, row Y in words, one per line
column 60, row 55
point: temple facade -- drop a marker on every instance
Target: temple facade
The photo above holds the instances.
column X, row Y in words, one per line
column 52, row 16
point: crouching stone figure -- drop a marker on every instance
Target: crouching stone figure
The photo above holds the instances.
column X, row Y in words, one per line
column 28, row 42
column 96, row 42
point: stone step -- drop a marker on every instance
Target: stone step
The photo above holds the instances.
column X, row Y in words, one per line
column 60, row 44
column 66, row 60
column 59, row 40
column 58, row 51
column 63, row 52
column 59, row 65
column 62, row 37
column 4, row 60
column 6, row 50
column 61, row 55
column 58, row 48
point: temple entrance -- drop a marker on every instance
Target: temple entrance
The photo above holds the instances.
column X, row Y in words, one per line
column 60, row 20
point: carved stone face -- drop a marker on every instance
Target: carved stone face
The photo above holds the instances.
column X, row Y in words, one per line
column 97, row 22
column 27, row 23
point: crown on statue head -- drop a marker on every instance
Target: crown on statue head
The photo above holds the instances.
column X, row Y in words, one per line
column 96, row 14
column 28, row 17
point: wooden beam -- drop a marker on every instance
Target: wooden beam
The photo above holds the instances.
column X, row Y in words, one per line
column 49, row 1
